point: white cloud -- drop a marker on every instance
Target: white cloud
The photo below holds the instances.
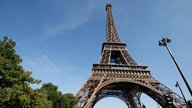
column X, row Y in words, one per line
column 68, row 78
column 75, row 15
column 40, row 64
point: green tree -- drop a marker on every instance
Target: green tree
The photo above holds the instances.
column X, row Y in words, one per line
column 15, row 90
column 67, row 101
column 52, row 93
column 40, row 100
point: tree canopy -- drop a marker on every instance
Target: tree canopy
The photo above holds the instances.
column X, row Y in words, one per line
column 52, row 93
column 67, row 101
column 58, row 100
column 15, row 89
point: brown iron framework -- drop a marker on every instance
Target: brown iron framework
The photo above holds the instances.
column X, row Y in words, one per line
column 118, row 75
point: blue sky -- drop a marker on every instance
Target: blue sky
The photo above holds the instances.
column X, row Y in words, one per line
column 59, row 40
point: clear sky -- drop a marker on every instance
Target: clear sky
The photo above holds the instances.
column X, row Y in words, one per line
column 59, row 40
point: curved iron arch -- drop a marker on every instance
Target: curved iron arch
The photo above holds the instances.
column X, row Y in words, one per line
column 149, row 90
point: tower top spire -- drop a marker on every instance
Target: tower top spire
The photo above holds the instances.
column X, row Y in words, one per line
column 112, row 35
column 108, row 5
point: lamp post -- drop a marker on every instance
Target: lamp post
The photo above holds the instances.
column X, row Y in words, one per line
column 164, row 43
column 177, row 85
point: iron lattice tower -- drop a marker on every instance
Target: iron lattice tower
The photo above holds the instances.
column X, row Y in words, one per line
column 118, row 75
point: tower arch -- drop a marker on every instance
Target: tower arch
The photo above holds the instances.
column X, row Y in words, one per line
column 126, row 90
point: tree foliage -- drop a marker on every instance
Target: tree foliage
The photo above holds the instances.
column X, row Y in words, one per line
column 14, row 80
column 67, row 101
column 58, row 100
column 40, row 100
column 52, row 93
column 15, row 89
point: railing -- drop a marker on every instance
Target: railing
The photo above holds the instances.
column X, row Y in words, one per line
column 119, row 66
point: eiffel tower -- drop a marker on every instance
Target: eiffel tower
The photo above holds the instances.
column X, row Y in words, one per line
column 118, row 75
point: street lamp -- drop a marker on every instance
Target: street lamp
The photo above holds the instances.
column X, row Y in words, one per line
column 164, row 42
column 177, row 85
